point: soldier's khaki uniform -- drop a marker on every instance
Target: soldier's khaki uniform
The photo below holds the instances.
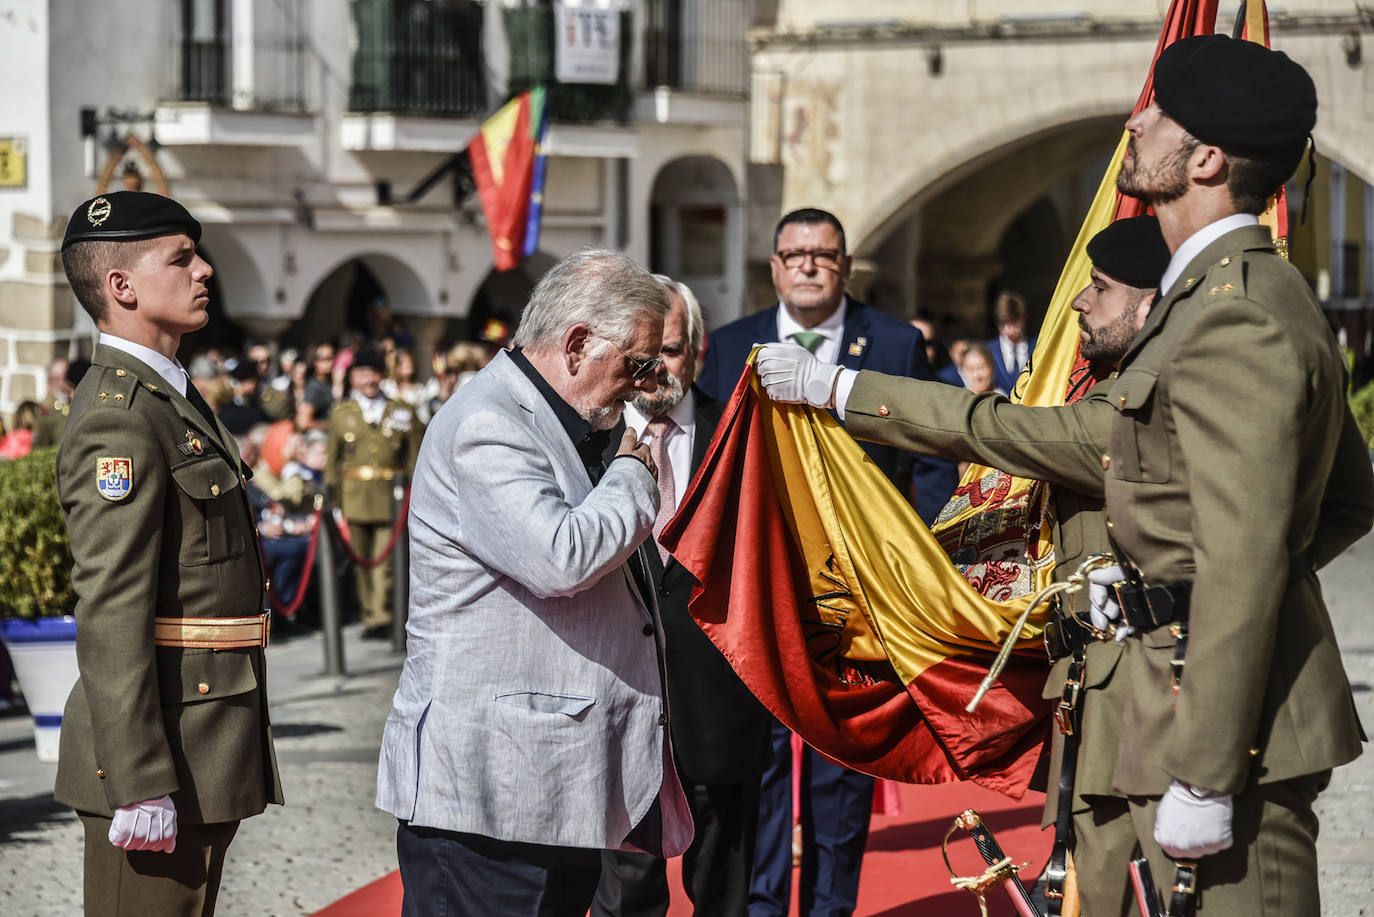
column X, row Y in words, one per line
column 1235, row 464
column 1064, row 446
column 48, row 429
column 364, row 459
column 166, row 534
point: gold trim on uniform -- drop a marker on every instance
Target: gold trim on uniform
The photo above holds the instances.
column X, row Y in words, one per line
column 371, row 473
column 212, row 633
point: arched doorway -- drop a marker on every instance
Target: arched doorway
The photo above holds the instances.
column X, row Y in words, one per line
column 696, row 227
column 359, row 298
column 500, row 299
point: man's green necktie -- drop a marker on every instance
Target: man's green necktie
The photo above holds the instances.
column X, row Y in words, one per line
column 809, row 339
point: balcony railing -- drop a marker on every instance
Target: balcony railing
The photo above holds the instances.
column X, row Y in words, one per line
column 418, row 57
column 529, row 31
column 268, row 74
column 697, row 45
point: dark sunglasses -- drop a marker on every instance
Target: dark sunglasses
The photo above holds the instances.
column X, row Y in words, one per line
column 638, row 369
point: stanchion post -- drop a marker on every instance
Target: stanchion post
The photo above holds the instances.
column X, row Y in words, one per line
column 400, row 568
column 331, row 622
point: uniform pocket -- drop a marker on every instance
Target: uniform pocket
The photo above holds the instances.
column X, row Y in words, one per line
column 208, row 488
column 1139, row 446
column 191, row 676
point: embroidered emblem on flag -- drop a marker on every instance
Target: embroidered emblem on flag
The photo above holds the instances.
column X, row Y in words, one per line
column 114, row 477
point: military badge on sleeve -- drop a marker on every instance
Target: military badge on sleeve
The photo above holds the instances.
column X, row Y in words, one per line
column 114, row 477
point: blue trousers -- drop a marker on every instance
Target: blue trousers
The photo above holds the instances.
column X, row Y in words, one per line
column 451, row 874
column 836, row 804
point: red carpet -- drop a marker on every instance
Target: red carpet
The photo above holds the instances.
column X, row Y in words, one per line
column 903, row 874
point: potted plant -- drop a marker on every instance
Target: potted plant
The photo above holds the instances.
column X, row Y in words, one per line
column 36, row 597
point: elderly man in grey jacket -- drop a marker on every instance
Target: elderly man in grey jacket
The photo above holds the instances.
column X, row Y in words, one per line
column 529, row 730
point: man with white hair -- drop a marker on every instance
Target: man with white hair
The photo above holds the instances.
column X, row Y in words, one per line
column 530, row 730
column 720, row 731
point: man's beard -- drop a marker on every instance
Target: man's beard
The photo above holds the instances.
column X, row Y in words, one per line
column 667, row 396
column 602, row 417
column 1107, row 345
column 1164, row 184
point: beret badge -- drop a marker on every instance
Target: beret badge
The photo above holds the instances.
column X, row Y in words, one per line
column 98, row 212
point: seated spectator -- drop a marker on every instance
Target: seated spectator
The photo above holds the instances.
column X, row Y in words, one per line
column 285, row 538
column 243, row 411
column 978, row 369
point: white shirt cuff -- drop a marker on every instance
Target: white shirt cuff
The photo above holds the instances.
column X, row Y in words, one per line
column 842, row 386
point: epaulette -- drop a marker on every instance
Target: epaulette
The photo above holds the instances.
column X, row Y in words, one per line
column 115, row 387
column 1225, row 278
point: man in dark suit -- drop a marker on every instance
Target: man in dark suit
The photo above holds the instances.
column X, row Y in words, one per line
column 719, row 730
column 810, row 267
column 1012, row 347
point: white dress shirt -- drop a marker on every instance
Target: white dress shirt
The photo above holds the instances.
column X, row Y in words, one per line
column 680, row 439
column 1194, row 244
column 1014, row 356
column 166, row 367
column 373, row 408
column 828, row 350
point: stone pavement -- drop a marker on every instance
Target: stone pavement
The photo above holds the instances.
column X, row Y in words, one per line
column 328, row 839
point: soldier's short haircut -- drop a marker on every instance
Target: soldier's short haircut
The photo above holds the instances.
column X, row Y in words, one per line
column 696, row 324
column 809, row 216
column 1254, row 176
column 606, row 290
column 87, row 264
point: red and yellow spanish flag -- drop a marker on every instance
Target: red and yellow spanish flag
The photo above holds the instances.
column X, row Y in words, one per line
column 815, row 582
column 503, row 156
column 842, row 612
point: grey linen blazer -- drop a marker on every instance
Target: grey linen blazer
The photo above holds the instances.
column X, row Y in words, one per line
column 531, row 705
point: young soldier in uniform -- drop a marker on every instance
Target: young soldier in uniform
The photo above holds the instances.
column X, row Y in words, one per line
column 372, row 439
column 166, row 743
column 1064, row 447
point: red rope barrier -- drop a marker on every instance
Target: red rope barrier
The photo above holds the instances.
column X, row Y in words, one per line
column 396, row 530
column 306, row 570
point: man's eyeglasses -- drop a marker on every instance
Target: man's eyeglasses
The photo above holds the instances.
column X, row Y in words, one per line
column 824, row 258
column 637, row 368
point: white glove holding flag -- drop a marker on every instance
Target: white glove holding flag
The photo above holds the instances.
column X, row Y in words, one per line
column 1103, row 610
column 150, row 825
column 791, row 374
column 1192, row 822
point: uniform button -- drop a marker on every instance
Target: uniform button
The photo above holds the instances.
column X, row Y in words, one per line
column 663, row 719
column 214, row 490
column 203, row 687
column 1106, row 461
column 1121, row 401
column 120, row 373
column 1225, row 261
column 883, row 410
column 1109, row 523
column 100, row 772
column 1254, row 752
column 648, row 630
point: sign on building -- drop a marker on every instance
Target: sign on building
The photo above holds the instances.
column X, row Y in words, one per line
column 586, row 44
column 14, row 161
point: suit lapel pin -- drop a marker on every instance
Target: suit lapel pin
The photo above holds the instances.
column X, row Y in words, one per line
column 856, row 349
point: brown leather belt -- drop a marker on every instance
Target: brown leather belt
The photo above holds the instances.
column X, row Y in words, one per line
column 371, row 473
column 212, row 633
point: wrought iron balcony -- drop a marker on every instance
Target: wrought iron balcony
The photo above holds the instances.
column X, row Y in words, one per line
column 530, row 33
column 418, row 57
column 697, row 45
column 270, row 74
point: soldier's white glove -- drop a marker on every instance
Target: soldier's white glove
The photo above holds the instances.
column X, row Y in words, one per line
column 1103, row 610
column 150, row 825
column 791, row 374
column 1193, row 822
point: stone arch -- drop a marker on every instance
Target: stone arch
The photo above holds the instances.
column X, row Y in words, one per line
column 338, row 300
column 696, row 223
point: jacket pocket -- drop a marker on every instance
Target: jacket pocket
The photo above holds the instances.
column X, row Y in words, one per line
column 1139, row 446
column 208, row 487
column 572, row 705
column 192, row 676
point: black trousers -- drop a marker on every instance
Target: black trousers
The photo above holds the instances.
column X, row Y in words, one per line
column 715, row 868
column 451, row 874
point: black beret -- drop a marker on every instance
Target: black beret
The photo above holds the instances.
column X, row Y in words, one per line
column 369, row 358
column 1132, row 251
column 125, row 216
column 244, row 371
column 1234, row 93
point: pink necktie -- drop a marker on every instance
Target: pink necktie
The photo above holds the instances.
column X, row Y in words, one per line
column 661, row 428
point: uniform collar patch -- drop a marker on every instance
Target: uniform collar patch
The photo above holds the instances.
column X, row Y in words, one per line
column 114, row 477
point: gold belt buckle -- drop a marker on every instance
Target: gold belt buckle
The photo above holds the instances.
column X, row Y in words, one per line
column 1068, row 703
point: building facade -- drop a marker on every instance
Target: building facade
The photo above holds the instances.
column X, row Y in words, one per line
column 318, row 143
